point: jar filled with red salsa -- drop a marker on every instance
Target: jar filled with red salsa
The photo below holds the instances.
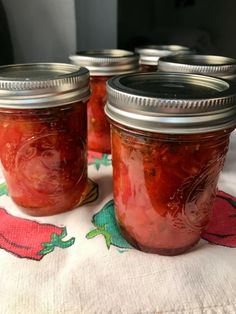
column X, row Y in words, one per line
column 43, row 135
column 102, row 65
column 170, row 134
column 150, row 54
column 218, row 66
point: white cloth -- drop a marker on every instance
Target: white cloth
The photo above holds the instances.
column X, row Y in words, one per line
column 87, row 277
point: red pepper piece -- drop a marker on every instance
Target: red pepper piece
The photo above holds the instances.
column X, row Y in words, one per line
column 30, row 239
column 222, row 228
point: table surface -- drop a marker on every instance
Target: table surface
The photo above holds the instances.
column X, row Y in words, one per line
column 77, row 262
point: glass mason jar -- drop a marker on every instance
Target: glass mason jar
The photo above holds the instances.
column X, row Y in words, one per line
column 102, row 65
column 170, row 134
column 218, row 66
column 150, row 54
column 43, row 135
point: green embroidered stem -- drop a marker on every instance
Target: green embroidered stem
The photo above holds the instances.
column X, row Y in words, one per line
column 48, row 248
column 105, row 161
column 56, row 241
column 100, row 230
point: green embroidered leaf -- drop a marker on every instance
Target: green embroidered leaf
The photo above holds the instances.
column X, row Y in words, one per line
column 54, row 238
column 107, row 239
column 106, row 225
column 97, row 163
column 105, row 161
column 3, row 189
column 46, row 250
column 63, row 234
column 47, row 244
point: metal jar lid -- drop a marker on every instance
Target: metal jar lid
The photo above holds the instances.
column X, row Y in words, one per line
column 42, row 85
column 173, row 103
column 107, row 62
column 150, row 54
column 203, row 64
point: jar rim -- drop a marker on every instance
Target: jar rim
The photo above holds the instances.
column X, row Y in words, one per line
column 214, row 65
column 154, row 102
column 42, row 85
column 107, row 61
column 150, row 54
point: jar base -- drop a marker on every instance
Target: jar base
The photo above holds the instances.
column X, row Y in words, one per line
column 55, row 210
column 38, row 212
column 156, row 250
column 165, row 251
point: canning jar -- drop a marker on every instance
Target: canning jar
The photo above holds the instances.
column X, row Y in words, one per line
column 218, row 66
column 170, row 134
column 102, row 64
column 150, row 54
column 43, row 132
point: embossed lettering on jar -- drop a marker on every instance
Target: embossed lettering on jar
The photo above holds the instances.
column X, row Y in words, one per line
column 43, row 131
column 102, row 64
column 169, row 141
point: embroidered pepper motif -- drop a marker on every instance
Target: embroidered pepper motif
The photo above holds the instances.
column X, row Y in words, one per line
column 222, row 227
column 30, row 239
column 106, row 225
column 99, row 159
column 221, row 230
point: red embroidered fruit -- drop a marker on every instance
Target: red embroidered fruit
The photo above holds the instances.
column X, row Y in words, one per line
column 30, row 239
column 222, row 228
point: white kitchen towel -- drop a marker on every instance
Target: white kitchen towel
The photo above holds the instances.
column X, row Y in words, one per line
column 77, row 262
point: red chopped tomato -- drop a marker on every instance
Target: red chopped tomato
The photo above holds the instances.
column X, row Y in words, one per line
column 98, row 125
column 164, row 186
column 43, row 154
